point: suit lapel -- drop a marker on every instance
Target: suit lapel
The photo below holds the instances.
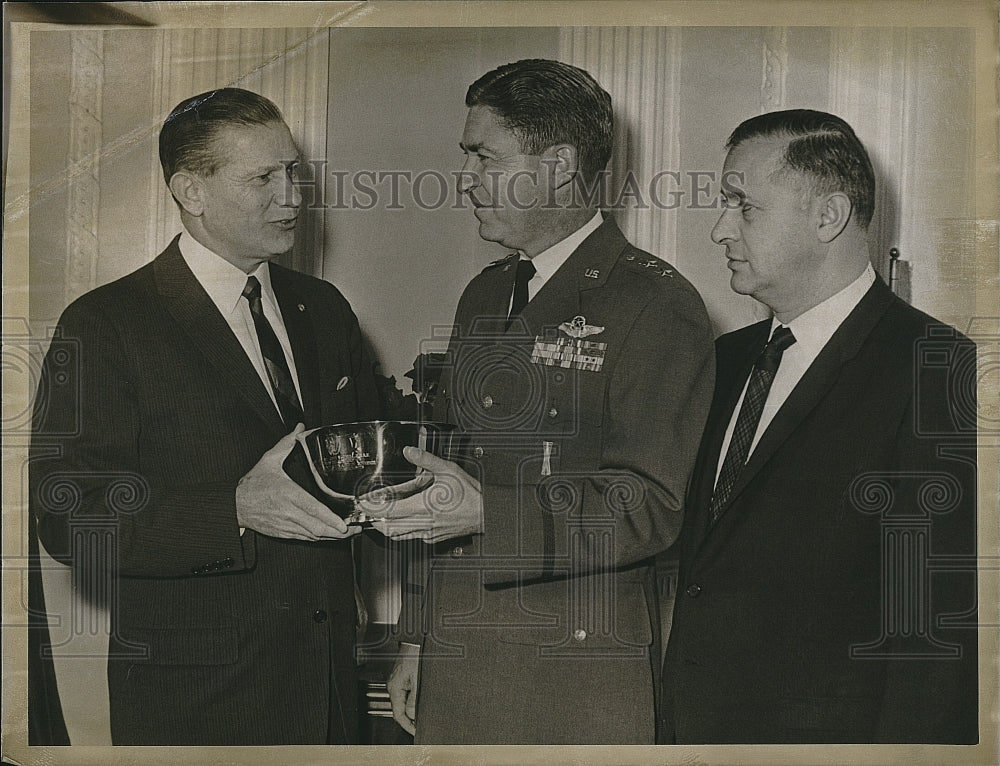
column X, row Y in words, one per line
column 208, row 331
column 299, row 327
column 817, row 381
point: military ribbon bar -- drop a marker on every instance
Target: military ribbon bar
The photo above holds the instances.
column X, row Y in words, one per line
column 574, row 353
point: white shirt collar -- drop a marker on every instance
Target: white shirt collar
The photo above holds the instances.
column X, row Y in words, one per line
column 816, row 326
column 223, row 281
column 548, row 261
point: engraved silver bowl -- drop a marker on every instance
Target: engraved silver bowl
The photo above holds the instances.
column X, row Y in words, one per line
column 349, row 460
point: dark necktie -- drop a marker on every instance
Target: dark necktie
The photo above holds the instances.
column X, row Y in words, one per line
column 749, row 417
column 274, row 358
column 525, row 271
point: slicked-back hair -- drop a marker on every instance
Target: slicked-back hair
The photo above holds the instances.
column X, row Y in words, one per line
column 823, row 147
column 187, row 138
column 544, row 103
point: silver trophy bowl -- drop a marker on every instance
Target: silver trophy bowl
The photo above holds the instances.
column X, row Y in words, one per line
column 349, row 460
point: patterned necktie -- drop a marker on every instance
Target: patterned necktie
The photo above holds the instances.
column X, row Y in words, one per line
column 525, row 271
column 749, row 417
column 274, row 358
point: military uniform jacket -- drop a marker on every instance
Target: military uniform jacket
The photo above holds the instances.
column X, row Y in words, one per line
column 584, row 446
column 148, row 414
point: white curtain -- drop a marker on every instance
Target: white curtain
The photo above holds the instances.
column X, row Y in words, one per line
column 640, row 69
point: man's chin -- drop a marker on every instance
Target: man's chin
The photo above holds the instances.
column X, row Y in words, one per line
column 489, row 233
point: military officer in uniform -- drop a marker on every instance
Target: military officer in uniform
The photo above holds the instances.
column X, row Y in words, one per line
column 579, row 372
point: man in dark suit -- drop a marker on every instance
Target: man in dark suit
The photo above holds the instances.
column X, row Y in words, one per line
column 579, row 373
column 158, row 468
column 827, row 563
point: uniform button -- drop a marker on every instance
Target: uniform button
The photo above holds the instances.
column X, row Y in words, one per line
column 487, row 401
column 478, row 452
column 693, row 590
column 319, row 615
column 579, row 634
column 457, row 550
column 553, row 412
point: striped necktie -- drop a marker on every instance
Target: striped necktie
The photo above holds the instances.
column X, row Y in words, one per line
column 746, row 422
column 274, row 358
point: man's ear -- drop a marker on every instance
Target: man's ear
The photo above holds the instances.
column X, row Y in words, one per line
column 564, row 163
column 834, row 213
column 189, row 191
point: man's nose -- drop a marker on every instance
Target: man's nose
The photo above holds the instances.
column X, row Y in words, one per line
column 724, row 229
column 290, row 195
column 468, row 177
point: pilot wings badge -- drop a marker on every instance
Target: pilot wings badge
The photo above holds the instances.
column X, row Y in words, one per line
column 571, row 352
column 577, row 327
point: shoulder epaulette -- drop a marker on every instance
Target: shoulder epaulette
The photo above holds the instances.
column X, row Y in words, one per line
column 647, row 264
column 507, row 259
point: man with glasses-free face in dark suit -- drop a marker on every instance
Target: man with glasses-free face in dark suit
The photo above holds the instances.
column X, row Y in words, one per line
column 838, row 459
column 234, row 611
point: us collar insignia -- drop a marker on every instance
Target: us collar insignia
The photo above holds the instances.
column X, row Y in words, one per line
column 577, row 327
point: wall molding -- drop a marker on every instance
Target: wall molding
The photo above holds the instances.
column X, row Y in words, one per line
column 85, row 139
column 640, row 67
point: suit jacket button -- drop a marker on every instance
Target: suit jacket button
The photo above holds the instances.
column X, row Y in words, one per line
column 478, row 452
column 693, row 590
column 579, row 634
column 319, row 615
column 553, row 412
column 457, row 551
column 487, row 401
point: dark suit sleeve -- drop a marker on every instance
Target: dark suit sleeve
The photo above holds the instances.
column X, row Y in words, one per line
column 85, row 475
column 626, row 505
column 931, row 693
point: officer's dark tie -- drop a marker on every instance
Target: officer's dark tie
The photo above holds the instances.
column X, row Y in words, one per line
column 274, row 358
column 525, row 271
column 749, row 417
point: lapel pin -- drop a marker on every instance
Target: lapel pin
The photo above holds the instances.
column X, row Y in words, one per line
column 302, row 307
column 592, row 273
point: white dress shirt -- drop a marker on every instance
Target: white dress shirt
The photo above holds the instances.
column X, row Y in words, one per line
column 812, row 330
column 548, row 261
column 224, row 284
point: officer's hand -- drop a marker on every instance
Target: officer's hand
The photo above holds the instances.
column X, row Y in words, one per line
column 402, row 687
column 452, row 506
column 269, row 502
